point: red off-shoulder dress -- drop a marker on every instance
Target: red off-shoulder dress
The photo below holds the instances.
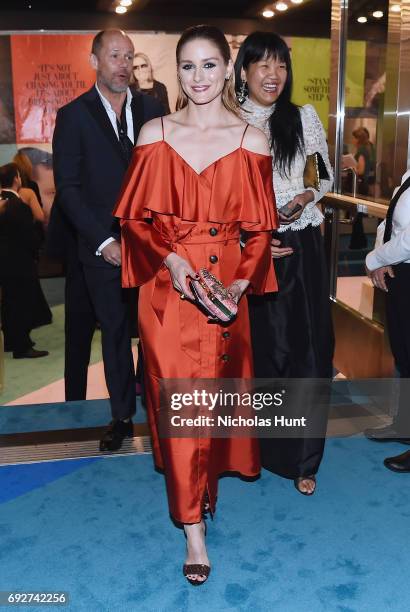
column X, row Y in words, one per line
column 166, row 206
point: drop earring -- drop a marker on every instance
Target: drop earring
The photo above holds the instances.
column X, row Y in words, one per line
column 243, row 94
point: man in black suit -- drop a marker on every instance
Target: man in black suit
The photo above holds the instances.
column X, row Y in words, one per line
column 92, row 146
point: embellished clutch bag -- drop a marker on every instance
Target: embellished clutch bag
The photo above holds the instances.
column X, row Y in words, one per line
column 315, row 170
column 211, row 295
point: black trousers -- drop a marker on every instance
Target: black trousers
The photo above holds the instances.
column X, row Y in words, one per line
column 292, row 337
column 111, row 307
column 80, row 321
column 85, row 304
column 16, row 315
column 398, row 324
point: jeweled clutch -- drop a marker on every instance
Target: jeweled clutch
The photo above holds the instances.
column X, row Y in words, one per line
column 213, row 297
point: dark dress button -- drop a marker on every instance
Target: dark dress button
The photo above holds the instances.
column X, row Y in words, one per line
column 225, row 357
column 226, row 335
column 213, row 231
column 213, row 259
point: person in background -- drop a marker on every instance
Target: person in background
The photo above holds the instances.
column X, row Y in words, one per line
column 29, row 191
column 92, row 146
column 145, row 82
column 365, row 157
column 42, row 163
column 388, row 267
column 292, row 333
column 25, row 167
column 18, row 274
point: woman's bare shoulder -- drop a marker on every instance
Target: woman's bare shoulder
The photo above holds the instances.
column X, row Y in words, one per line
column 150, row 132
column 256, row 141
column 26, row 194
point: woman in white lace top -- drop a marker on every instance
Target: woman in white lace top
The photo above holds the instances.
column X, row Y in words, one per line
column 292, row 332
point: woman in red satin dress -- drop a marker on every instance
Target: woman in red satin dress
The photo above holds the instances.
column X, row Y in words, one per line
column 198, row 177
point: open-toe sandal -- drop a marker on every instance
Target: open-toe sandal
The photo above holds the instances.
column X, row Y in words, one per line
column 196, row 569
column 297, row 481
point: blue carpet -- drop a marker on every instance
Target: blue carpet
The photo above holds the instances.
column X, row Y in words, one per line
column 99, row 529
column 60, row 415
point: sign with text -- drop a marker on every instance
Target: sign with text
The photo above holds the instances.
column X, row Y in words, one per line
column 311, row 73
column 48, row 71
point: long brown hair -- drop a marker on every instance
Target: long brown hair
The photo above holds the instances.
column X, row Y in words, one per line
column 25, row 167
column 215, row 36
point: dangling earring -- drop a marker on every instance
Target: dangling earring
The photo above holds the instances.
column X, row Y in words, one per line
column 243, row 94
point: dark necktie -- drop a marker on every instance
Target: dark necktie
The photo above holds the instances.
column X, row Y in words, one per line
column 125, row 143
column 389, row 217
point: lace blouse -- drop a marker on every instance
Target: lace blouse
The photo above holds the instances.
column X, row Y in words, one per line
column 286, row 187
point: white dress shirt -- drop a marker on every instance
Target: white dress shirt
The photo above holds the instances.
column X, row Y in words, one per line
column 397, row 249
column 112, row 116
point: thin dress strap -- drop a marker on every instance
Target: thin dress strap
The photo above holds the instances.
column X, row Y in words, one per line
column 162, row 125
column 243, row 135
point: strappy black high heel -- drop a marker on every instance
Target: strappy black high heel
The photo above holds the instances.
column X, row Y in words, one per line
column 197, row 569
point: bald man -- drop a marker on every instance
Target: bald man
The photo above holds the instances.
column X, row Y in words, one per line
column 92, row 147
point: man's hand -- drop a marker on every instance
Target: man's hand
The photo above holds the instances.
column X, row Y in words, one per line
column 278, row 251
column 112, row 253
column 378, row 276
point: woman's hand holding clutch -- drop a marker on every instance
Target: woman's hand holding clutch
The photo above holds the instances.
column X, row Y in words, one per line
column 238, row 288
column 180, row 270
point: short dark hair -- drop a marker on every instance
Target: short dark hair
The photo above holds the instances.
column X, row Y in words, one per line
column 98, row 39
column 8, row 173
column 97, row 42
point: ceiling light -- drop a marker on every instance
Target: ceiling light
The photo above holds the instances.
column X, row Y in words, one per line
column 395, row 8
column 378, row 14
column 296, row 1
column 120, row 9
column 281, row 6
column 362, row 19
column 267, row 13
column 125, row 2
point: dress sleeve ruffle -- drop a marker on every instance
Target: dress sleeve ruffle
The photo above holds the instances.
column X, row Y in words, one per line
column 159, row 182
column 256, row 264
column 140, row 237
column 239, row 189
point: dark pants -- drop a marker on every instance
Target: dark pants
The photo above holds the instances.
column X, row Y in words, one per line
column 292, row 337
column 398, row 324
column 80, row 323
column 16, row 316
column 110, row 303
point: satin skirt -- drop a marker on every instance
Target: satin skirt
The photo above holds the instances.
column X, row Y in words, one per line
column 292, row 337
column 184, row 344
